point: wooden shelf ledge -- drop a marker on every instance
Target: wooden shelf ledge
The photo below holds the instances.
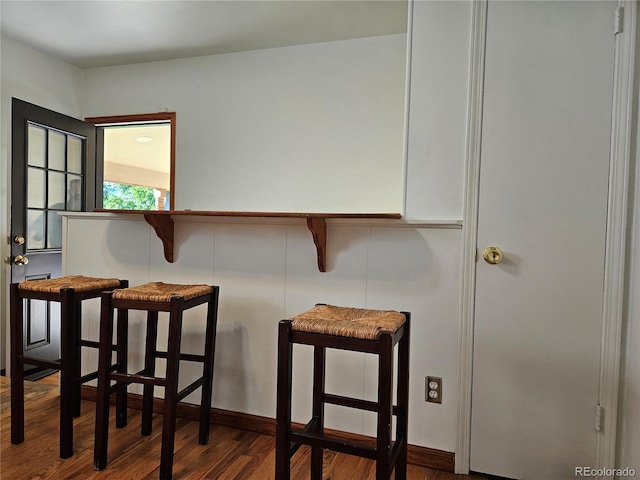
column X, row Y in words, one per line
column 162, row 222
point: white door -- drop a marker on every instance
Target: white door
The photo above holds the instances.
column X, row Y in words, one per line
column 543, row 201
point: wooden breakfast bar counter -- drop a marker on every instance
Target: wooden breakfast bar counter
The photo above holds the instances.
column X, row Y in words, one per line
column 162, row 222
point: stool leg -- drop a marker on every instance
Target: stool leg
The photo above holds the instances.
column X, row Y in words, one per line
column 122, row 355
column 207, row 368
column 17, row 369
column 150, row 370
column 122, row 352
column 102, row 398
column 77, row 355
column 283, row 401
column 319, row 356
column 385, row 398
column 403, row 401
column 171, row 389
column 67, row 370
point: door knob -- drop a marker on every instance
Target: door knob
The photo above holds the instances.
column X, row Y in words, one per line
column 20, row 260
column 18, row 240
column 492, row 255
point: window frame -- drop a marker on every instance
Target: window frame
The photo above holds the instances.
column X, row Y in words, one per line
column 111, row 120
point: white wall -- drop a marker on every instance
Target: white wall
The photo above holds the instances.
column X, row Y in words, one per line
column 438, row 110
column 314, row 128
column 43, row 80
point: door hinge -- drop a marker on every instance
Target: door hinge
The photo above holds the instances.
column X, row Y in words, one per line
column 599, row 417
column 618, row 20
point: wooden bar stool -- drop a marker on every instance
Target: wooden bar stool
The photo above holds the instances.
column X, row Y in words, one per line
column 361, row 330
column 153, row 298
column 69, row 291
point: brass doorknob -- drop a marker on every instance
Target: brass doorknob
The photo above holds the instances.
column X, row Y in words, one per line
column 492, row 255
column 18, row 240
column 20, row 260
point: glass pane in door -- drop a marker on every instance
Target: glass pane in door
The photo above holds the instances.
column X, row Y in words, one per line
column 54, row 229
column 35, row 229
column 74, row 154
column 55, row 197
column 35, row 188
column 55, row 182
column 74, row 193
column 56, row 146
column 37, row 141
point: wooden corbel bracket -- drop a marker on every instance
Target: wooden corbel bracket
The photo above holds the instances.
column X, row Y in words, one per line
column 163, row 225
column 318, row 227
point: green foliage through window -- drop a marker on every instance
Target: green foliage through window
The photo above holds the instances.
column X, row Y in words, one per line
column 119, row 196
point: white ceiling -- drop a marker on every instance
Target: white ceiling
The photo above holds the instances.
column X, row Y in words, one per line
column 95, row 33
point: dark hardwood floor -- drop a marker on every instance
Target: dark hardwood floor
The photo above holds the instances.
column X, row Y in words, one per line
column 230, row 455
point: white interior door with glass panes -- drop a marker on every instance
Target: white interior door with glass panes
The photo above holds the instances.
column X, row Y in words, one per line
column 53, row 170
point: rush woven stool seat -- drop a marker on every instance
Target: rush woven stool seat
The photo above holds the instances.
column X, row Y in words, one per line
column 355, row 329
column 154, row 298
column 69, row 292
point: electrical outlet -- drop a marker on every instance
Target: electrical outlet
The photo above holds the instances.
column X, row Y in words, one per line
column 433, row 389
